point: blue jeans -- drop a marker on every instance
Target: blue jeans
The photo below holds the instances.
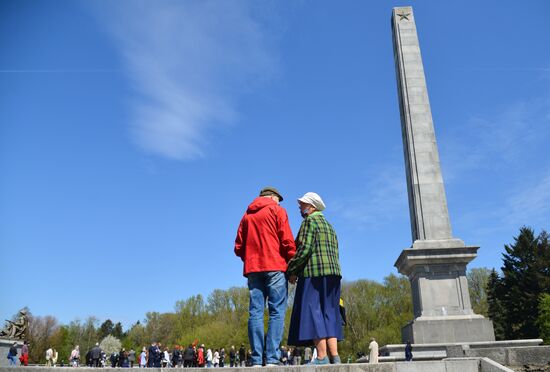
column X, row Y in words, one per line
column 273, row 286
column 13, row 360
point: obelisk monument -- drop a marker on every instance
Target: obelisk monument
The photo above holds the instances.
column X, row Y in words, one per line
column 436, row 262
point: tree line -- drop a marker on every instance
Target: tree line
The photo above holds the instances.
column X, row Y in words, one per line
column 220, row 320
column 517, row 300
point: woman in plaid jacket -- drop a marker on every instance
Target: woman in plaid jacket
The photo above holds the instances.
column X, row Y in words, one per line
column 316, row 267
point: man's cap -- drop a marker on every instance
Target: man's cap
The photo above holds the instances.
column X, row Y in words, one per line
column 266, row 191
column 313, row 199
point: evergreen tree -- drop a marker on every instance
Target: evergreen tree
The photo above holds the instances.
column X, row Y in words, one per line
column 496, row 311
column 105, row 329
column 525, row 278
column 117, row 331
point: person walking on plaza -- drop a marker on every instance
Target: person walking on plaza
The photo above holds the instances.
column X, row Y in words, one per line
column 209, row 358
column 408, row 352
column 242, row 356
column 165, row 363
column 307, row 355
column 222, row 357
column 12, row 354
column 297, row 356
column 232, row 356
column 55, row 355
column 265, row 244
column 114, row 359
column 316, row 267
column 151, row 351
column 373, row 349
column 189, row 356
column 123, row 361
column 200, row 356
column 24, row 357
column 157, row 363
column 75, row 356
column 49, row 356
column 131, row 357
column 88, row 358
column 143, row 358
column 96, row 355
column 216, row 358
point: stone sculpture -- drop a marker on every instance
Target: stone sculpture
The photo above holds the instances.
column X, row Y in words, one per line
column 16, row 330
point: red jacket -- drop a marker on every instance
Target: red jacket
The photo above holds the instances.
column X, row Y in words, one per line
column 264, row 240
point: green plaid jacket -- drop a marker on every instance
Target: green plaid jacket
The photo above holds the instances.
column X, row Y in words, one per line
column 316, row 249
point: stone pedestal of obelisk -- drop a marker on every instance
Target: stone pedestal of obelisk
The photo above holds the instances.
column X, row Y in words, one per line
column 436, row 262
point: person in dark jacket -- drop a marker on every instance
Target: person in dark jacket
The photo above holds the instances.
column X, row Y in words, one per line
column 151, row 355
column 96, row 355
column 408, row 352
column 176, row 356
column 242, row 355
column 158, row 356
column 114, row 359
column 12, row 354
column 232, row 356
column 123, row 359
column 189, row 356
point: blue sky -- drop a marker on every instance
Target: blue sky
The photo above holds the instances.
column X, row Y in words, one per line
column 133, row 134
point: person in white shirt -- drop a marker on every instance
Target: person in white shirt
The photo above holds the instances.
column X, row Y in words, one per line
column 143, row 358
column 55, row 355
column 373, row 347
column 49, row 356
column 166, row 358
column 216, row 358
column 209, row 358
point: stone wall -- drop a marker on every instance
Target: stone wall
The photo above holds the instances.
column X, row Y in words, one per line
column 514, row 356
column 450, row 365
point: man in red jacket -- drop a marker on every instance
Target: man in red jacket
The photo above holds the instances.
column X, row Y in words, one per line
column 265, row 244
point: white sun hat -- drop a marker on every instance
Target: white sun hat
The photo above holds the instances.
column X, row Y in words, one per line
column 313, row 199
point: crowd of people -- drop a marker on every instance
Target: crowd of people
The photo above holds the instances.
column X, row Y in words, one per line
column 155, row 356
column 181, row 357
column 201, row 356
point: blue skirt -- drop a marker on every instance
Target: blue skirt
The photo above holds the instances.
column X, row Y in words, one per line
column 316, row 311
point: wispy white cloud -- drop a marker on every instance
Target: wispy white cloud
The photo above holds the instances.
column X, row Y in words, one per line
column 497, row 140
column 188, row 61
column 531, row 204
column 507, row 150
column 376, row 203
column 523, row 204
